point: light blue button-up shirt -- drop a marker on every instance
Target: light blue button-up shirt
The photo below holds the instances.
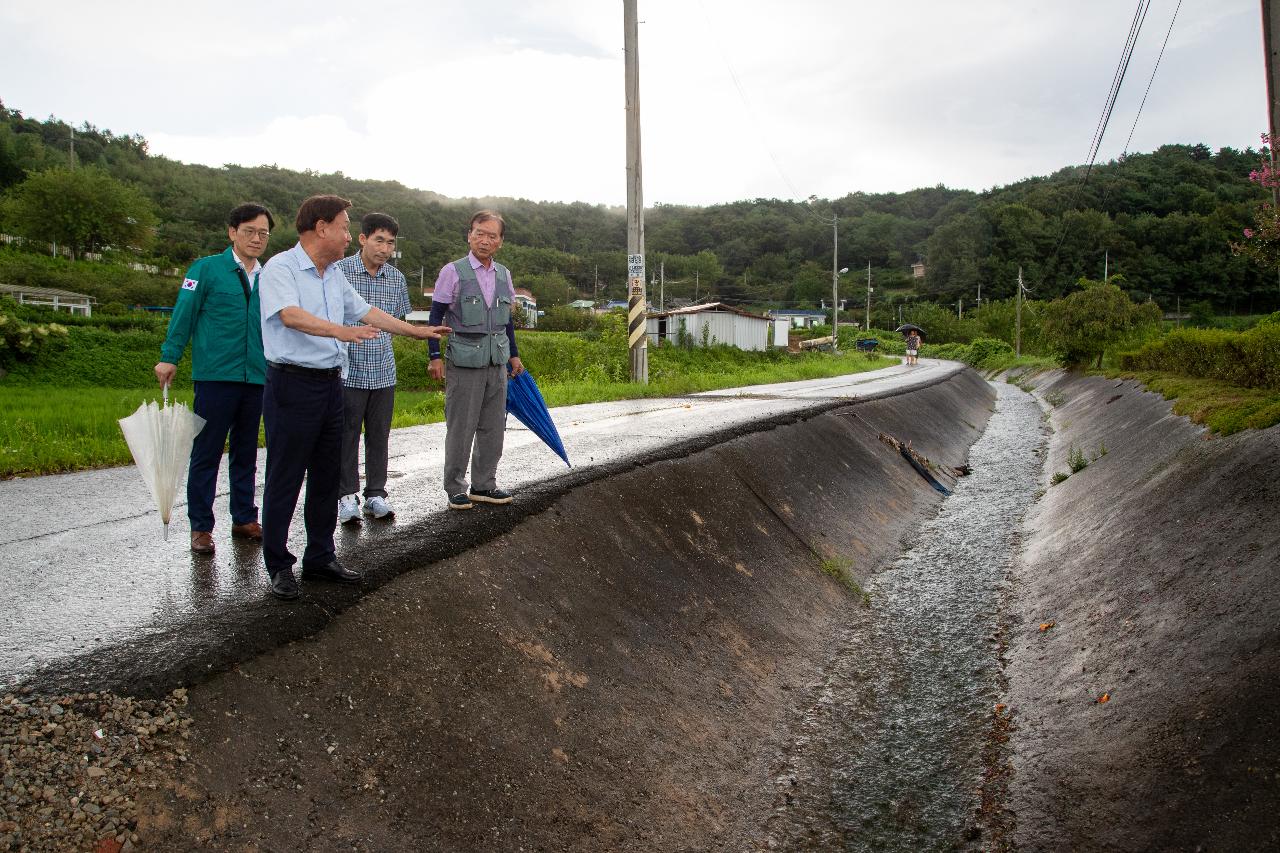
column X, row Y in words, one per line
column 290, row 280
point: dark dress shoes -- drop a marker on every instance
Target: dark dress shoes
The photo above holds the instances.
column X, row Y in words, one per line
column 202, row 542
column 283, row 586
column 334, row 571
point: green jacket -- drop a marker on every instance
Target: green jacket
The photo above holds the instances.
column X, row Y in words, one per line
column 222, row 322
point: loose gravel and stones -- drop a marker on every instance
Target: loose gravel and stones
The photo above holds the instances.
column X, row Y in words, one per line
column 73, row 767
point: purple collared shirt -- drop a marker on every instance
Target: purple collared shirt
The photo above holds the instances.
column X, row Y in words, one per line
column 447, row 282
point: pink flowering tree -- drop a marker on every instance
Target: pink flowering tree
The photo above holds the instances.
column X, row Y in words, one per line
column 1262, row 241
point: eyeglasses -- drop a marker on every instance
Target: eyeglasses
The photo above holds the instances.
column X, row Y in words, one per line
column 261, row 233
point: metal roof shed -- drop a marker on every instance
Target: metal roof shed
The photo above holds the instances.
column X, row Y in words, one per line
column 723, row 324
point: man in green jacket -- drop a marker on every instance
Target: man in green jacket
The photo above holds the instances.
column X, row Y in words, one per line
column 218, row 313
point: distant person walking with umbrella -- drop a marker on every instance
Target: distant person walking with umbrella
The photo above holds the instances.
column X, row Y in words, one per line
column 913, row 347
column 306, row 303
column 217, row 313
column 915, row 337
column 473, row 296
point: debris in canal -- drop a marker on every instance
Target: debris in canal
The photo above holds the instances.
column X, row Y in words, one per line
column 922, row 464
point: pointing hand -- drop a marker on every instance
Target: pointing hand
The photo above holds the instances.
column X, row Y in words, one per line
column 355, row 334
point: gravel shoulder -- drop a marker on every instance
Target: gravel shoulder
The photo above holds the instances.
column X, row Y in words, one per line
column 74, row 767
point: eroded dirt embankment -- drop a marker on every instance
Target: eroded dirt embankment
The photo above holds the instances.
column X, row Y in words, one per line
column 1155, row 572
column 613, row 674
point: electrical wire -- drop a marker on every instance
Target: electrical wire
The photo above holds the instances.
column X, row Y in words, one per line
column 1117, row 81
column 1108, row 186
column 754, row 119
column 1159, row 57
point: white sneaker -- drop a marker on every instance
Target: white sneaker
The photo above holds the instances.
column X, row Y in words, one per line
column 349, row 509
column 378, row 507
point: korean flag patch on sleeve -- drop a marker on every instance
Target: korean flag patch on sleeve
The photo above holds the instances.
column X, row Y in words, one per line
column 189, row 283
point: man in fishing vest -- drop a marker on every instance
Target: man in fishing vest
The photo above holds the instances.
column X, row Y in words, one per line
column 473, row 297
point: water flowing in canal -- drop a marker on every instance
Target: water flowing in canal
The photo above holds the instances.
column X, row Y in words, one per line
column 891, row 754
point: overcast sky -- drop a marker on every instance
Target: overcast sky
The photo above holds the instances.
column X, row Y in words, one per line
column 739, row 99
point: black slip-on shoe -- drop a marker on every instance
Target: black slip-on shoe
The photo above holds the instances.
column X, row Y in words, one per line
column 490, row 496
column 334, row 571
column 459, row 501
column 284, row 587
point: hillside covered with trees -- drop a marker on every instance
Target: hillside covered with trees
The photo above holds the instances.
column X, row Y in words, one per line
column 1163, row 220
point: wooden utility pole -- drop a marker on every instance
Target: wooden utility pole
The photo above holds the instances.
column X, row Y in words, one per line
column 1270, row 30
column 1017, row 340
column 868, row 329
column 637, row 337
column 835, row 286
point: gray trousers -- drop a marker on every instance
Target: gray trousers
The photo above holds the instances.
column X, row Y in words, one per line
column 475, row 412
column 372, row 409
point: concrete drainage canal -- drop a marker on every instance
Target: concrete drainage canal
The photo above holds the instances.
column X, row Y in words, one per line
column 629, row 669
column 901, row 749
column 781, row 639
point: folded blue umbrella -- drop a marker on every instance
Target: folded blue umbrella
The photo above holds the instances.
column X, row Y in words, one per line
column 524, row 400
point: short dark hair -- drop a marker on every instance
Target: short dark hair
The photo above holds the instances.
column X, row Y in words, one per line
column 375, row 221
column 489, row 216
column 247, row 213
column 319, row 208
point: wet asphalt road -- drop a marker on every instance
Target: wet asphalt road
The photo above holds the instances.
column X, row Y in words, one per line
column 95, row 598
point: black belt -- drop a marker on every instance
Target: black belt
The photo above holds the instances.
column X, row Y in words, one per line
column 318, row 372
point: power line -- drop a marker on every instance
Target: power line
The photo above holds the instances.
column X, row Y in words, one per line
column 1107, row 187
column 746, row 103
column 1159, row 57
column 1117, row 81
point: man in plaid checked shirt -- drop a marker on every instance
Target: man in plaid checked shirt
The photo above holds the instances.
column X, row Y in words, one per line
column 369, row 388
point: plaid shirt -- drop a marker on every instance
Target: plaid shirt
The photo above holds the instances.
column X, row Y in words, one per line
column 372, row 364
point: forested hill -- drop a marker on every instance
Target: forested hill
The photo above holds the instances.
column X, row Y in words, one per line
column 1164, row 220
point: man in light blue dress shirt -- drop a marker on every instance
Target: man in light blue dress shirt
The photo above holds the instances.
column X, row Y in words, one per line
column 306, row 301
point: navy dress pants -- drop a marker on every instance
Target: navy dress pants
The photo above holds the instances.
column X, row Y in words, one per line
column 303, row 418
column 227, row 407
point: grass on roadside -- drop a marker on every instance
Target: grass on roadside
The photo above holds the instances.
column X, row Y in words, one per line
column 50, row 429
column 1225, row 409
column 46, row 430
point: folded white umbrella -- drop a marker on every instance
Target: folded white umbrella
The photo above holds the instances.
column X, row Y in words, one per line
column 160, row 438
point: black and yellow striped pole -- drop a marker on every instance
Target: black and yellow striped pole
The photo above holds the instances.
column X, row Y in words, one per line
column 637, row 326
